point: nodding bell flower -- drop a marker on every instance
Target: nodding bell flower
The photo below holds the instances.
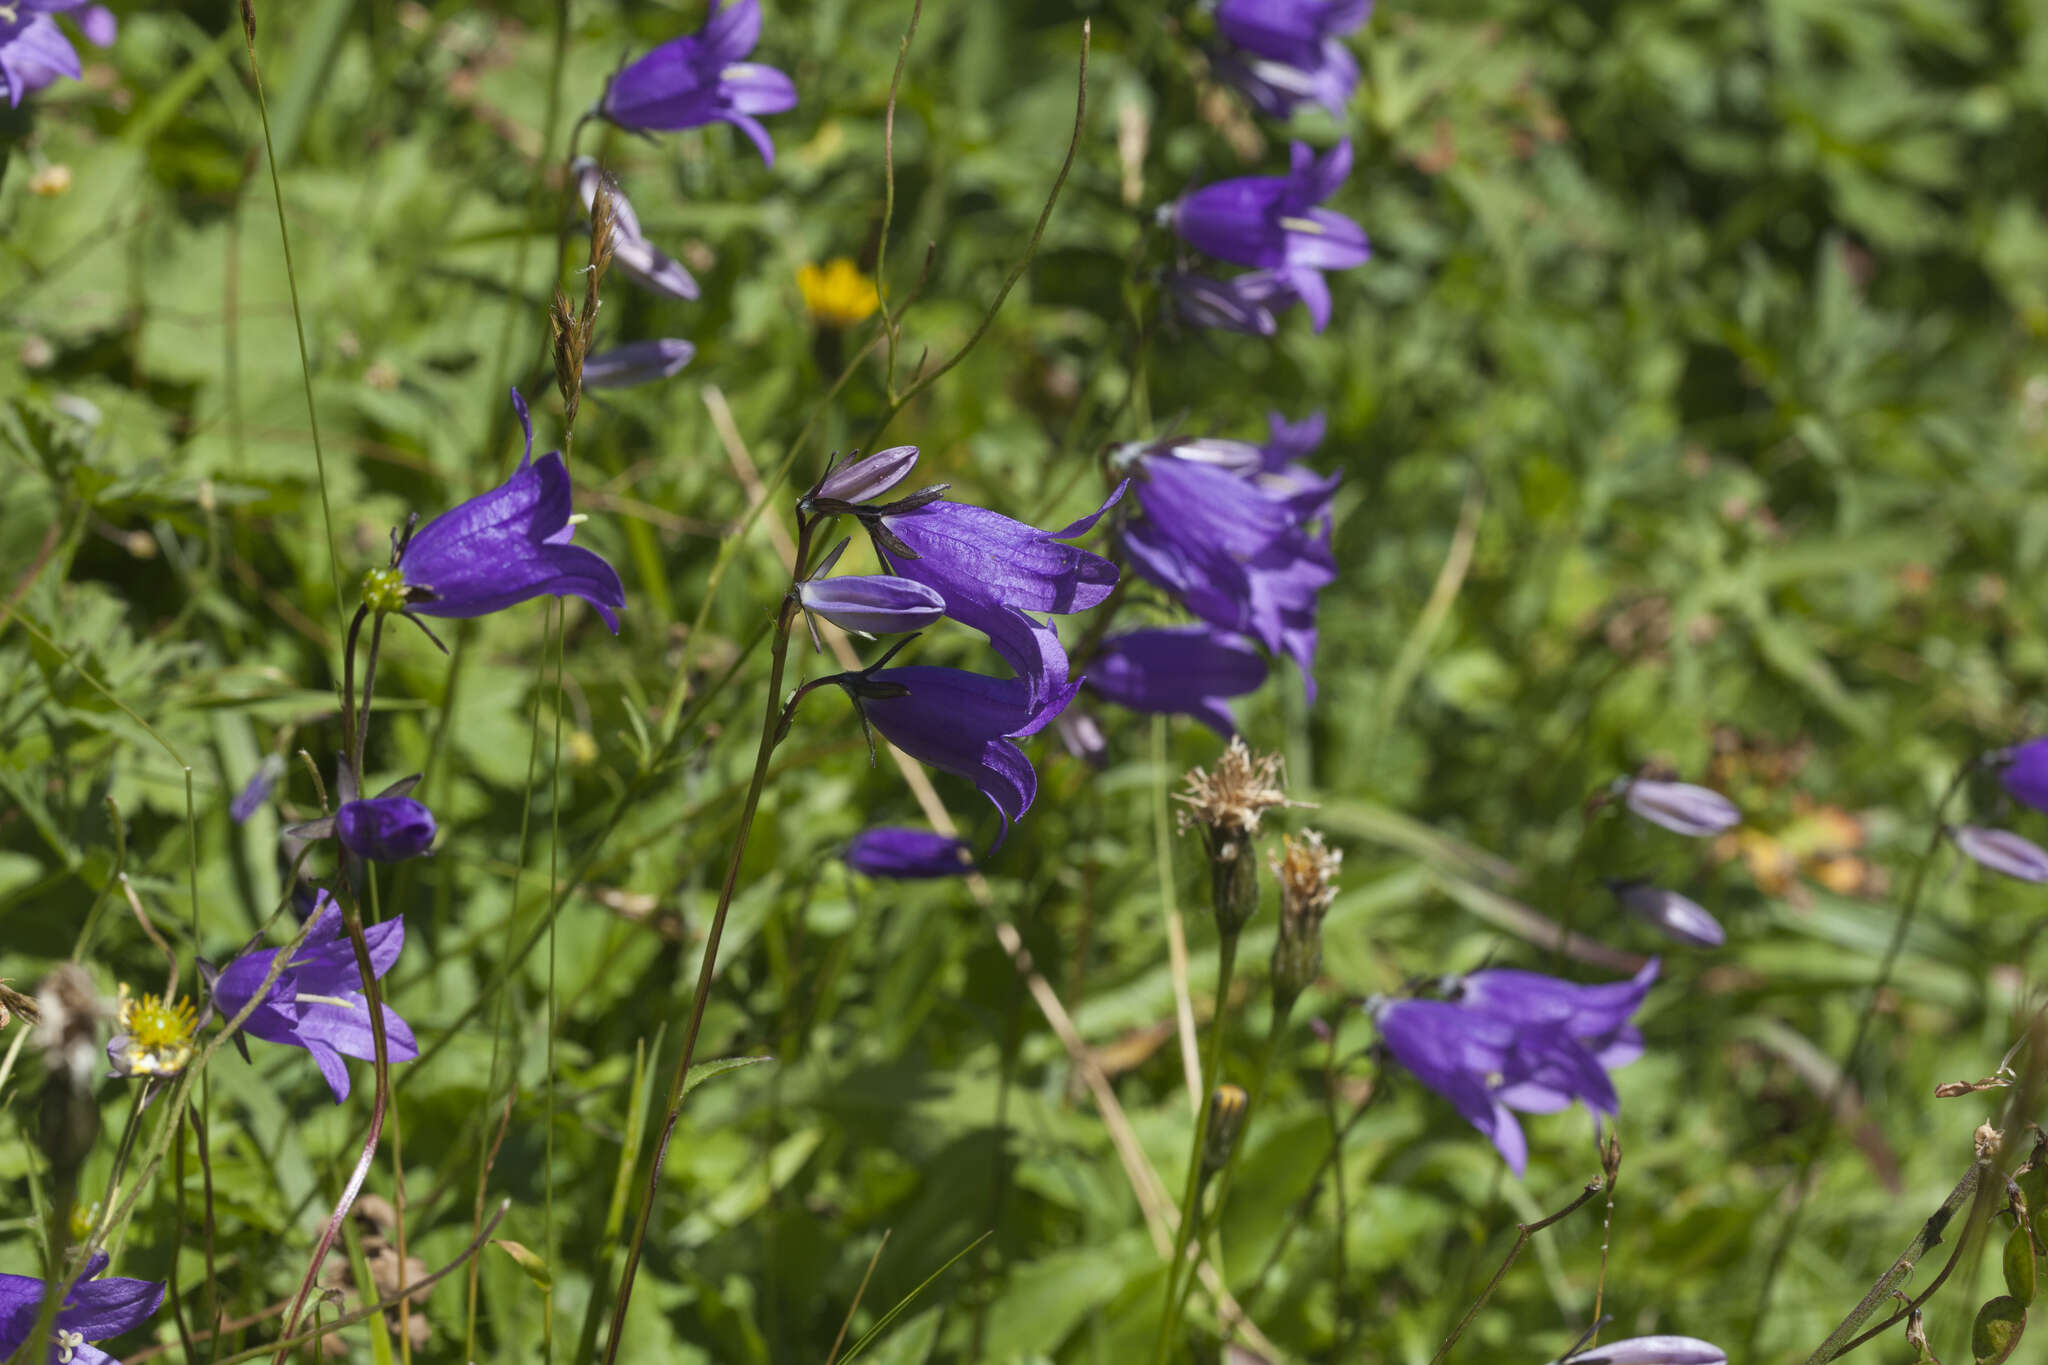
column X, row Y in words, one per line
column 1270, row 222
column 899, row 854
column 385, row 829
column 2023, row 771
column 1670, row 914
column 1248, row 302
column 499, row 549
column 699, row 78
column 1657, row 1350
column 1286, row 53
column 636, row 362
column 642, row 261
column 94, row 1309
column 2002, row 851
column 1178, row 670
column 317, row 1002
column 34, row 51
column 1681, row 807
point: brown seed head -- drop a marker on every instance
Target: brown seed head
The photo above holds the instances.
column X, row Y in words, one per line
column 1243, row 786
column 1307, row 870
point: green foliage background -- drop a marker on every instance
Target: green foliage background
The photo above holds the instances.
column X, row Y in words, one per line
column 1719, row 327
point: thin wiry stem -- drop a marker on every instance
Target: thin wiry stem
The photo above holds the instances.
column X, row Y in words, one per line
column 1191, row 1193
column 889, row 197
column 1523, row 1232
column 554, row 853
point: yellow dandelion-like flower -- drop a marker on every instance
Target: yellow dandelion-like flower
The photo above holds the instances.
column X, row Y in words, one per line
column 837, row 294
column 156, row 1034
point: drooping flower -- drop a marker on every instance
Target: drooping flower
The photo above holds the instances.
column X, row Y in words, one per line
column 2024, row 773
column 1177, row 670
column 961, row 723
column 501, row 548
column 1272, row 222
column 2002, row 851
column 317, row 1003
column 642, row 261
column 1657, row 1350
column 1675, row 916
column 257, row 790
column 636, row 362
column 700, row 78
column 34, row 51
column 836, row 294
column 904, row 854
column 1510, row 1040
column 385, row 829
column 1239, row 550
column 1285, row 53
column 1681, row 807
column 94, row 1309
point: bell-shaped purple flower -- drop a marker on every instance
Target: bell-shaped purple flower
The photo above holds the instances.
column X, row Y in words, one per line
column 1286, row 53
column 1657, row 1350
column 1457, row 1052
column 1178, row 670
column 1670, row 914
column 991, row 569
column 1273, row 221
column 94, row 1309
column 877, row 604
column 1681, row 807
column 902, row 854
column 700, row 78
column 317, row 1003
column 636, row 362
column 962, row 723
column 385, row 829
column 1248, row 302
column 2002, row 851
column 34, row 51
column 2024, row 773
column 507, row 546
column 642, row 261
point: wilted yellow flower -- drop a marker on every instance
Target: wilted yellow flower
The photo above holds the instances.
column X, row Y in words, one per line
column 837, row 294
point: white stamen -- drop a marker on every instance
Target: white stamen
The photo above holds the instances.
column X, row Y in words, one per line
column 1308, row 225
column 67, row 1343
column 334, row 1000
column 578, row 518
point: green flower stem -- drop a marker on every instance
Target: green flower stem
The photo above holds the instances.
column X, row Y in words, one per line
column 1191, row 1195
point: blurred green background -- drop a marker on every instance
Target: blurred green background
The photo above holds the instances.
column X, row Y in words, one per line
column 1693, row 410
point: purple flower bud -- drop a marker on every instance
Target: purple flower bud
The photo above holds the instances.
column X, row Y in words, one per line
column 905, row 854
column 699, row 78
column 1658, row 1350
column 1669, row 913
column 2002, row 851
column 252, row 796
column 879, row 604
column 631, row 250
column 2025, row 773
column 637, row 362
column 1680, row 807
column 385, row 829
column 865, row 479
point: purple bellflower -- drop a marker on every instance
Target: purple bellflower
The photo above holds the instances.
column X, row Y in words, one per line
column 34, row 51
column 1286, row 53
column 903, row 854
column 1271, row 222
column 94, row 1309
column 499, row 549
column 862, row 480
column 385, row 829
column 317, row 1003
column 699, row 78
column 636, row 362
column 1513, row 1040
column 1248, row 302
column 868, row 604
column 1657, row 1350
column 2002, row 851
column 642, row 261
column 1237, row 551
column 1681, row 807
column 2024, row 773
column 257, row 790
column 961, row 723
column 1178, row 670
column 1670, row 914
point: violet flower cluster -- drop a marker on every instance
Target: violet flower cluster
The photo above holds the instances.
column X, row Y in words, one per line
column 687, row 82
column 986, row 571
column 1505, row 1041
column 34, row 51
column 1239, row 535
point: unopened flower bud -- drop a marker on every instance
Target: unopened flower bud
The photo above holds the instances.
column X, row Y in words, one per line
column 2002, row 851
column 637, row 362
column 1675, row 916
column 875, row 604
column 868, row 478
column 1657, row 1350
column 1681, row 807
column 1228, row 1105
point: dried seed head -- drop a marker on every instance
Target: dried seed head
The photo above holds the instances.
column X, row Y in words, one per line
column 1307, row 870
column 1243, row 786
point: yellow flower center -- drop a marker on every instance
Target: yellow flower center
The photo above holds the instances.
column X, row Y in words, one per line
column 837, row 294
column 159, row 1033
column 384, row 590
